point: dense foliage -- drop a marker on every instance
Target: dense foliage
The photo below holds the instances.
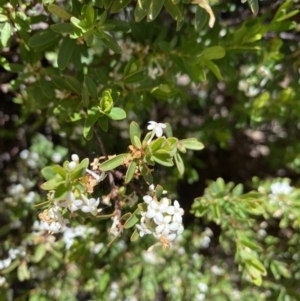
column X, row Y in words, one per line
column 149, row 150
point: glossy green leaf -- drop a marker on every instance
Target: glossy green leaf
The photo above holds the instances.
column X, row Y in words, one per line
column 214, row 69
column 107, row 3
column 91, row 86
column 5, row 34
column 141, row 10
column 117, row 114
column 43, row 37
column 254, row 6
column 130, row 172
column 89, row 16
column 59, row 12
column 173, row 10
column 63, row 28
column 113, row 162
column 213, row 53
column 154, row 9
column 201, row 17
column 119, row 5
column 65, row 52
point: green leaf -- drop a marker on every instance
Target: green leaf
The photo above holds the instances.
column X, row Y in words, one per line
column 154, row 9
column 61, row 191
column 107, row 3
column 89, row 16
column 162, row 157
column 110, row 43
column 141, row 10
column 158, row 191
column 146, row 173
column 91, row 86
column 254, row 6
column 133, row 219
column 12, row 266
column 65, row 52
column 213, row 53
column 191, row 143
column 135, row 236
column 130, row 172
column 119, row 5
column 85, row 97
column 93, row 115
column 201, row 17
column 5, row 34
column 157, row 144
column 59, row 12
column 59, row 171
column 117, row 25
column 214, row 69
column 168, row 130
column 103, row 123
column 117, row 114
column 3, row 18
column 39, row 253
column 179, row 163
column 43, row 37
column 137, row 142
column 52, row 184
column 73, row 84
column 23, row 271
column 48, row 172
column 173, row 10
column 134, row 130
column 63, row 28
column 114, row 162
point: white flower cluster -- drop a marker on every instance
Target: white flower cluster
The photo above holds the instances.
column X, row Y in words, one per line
column 280, row 188
column 162, row 220
column 278, row 191
column 32, row 158
column 12, row 255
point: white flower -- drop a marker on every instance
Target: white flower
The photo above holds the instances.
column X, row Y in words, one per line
column 164, row 227
column 202, row 287
column 90, row 205
column 72, row 165
column 75, row 158
column 143, row 229
column 157, row 128
column 176, row 211
column 147, row 199
column 97, row 177
column 281, row 188
column 71, row 203
column 156, row 210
